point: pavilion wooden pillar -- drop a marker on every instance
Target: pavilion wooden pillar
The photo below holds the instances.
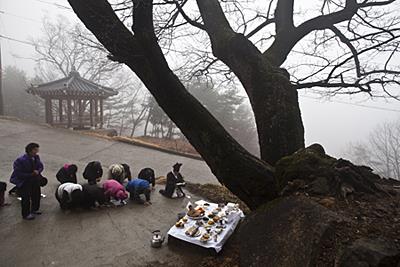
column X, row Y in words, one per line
column 80, row 112
column 96, row 113
column 69, row 112
column 48, row 111
column 60, row 110
column 101, row 113
column 91, row 112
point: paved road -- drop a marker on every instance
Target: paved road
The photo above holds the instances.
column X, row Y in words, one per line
column 109, row 237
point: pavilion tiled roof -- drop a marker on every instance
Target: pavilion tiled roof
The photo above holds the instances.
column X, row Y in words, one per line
column 73, row 85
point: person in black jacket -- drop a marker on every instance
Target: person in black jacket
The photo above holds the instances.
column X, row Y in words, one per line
column 127, row 171
column 3, row 188
column 148, row 175
column 67, row 174
column 93, row 172
column 175, row 182
column 93, row 194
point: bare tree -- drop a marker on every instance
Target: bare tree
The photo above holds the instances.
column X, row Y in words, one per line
column 273, row 97
column 381, row 151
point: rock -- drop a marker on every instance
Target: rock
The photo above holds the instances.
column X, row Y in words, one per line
column 319, row 186
column 370, row 253
column 325, row 175
column 317, row 148
column 290, row 232
column 328, row 202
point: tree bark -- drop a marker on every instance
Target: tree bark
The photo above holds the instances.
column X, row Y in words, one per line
column 245, row 175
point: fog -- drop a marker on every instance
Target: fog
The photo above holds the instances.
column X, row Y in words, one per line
column 332, row 122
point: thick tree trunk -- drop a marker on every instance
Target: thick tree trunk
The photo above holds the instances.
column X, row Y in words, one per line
column 245, row 175
column 274, row 101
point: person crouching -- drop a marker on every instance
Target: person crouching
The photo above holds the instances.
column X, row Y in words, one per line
column 93, row 196
column 69, row 195
column 93, row 172
column 114, row 190
column 116, row 172
column 67, row 174
column 137, row 187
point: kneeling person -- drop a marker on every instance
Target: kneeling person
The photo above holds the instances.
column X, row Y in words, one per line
column 137, row 187
column 93, row 194
column 114, row 190
column 69, row 195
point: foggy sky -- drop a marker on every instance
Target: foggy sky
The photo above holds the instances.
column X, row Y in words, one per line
column 330, row 123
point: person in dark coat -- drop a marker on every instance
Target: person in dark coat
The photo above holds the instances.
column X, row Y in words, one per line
column 148, row 175
column 127, row 171
column 67, row 174
column 93, row 195
column 69, row 195
column 27, row 177
column 3, row 189
column 93, row 172
column 175, row 182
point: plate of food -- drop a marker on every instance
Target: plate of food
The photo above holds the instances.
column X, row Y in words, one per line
column 204, row 238
column 193, row 231
column 180, row 224
column 195, row 213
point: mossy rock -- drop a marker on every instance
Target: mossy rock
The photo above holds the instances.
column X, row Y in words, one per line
column 306, row 164
column 317, row 173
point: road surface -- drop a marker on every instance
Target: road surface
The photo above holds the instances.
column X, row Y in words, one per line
column 109, row 237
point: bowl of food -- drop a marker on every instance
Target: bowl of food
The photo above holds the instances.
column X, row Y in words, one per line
column 179, row 224
column 204, row 238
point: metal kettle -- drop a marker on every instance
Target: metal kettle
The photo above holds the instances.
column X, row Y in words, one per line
column 157, row 240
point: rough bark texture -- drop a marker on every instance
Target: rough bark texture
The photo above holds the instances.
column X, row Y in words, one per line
column 245, row 175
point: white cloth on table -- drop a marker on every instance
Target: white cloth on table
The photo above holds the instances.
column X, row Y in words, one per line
column 233, row 221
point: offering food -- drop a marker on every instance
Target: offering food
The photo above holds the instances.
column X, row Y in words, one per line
column 180, row 224
column 211, row 222
column 205, row 238
column 185, row 219
column 193, row 231
column 219, row 230
column 195, row 212
column 216, row 218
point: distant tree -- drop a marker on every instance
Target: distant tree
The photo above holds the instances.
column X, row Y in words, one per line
column 381, row 151
column 226, row 105
column 230, row 110
column 17, row 102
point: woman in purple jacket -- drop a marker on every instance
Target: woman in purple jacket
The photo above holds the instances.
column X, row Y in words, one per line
column 27, row 176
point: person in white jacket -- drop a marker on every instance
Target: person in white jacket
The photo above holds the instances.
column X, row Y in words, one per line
column 69, row 195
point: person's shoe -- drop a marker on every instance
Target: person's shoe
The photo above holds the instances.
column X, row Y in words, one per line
column 37, row 212
column 30, row 217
